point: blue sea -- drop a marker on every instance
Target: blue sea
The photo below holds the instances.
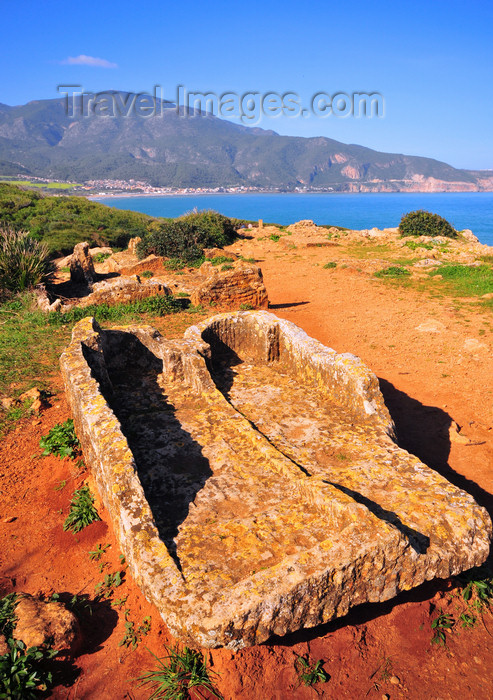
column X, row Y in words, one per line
column 473, row 210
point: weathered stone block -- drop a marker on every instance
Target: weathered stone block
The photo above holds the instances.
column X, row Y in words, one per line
column 253, row 478
column 122, row 290
column 81, row 265
column 243, row 284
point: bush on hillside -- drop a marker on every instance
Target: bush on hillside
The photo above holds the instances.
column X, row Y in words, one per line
column 424, row 223
column 186, row 237
column 24, row 262
column 61, row 222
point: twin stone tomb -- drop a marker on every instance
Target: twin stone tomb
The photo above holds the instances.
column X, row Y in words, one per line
column 253, row 478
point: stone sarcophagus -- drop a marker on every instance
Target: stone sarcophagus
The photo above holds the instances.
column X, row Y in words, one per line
column 253, row 478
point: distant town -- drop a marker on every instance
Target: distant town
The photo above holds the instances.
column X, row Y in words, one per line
column 110, row 187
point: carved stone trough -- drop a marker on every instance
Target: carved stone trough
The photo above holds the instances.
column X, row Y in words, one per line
column 253, row 478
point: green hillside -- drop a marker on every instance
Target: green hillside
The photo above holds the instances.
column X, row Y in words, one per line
column 61, row 222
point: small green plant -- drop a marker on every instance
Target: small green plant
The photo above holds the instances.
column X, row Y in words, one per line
column 7, row 614
column 439, row 625
column 467, row 621
column 329, row 265
column 221, row 259
column 96, row 554
column 174, row 264
column 133, row 636
column 246, row 307
column 424, row 223
column 477, row 587
column 181, row 675
column 82, row 511
column 414, row 245
column 147, row 274
column 106, row 588
column 310, row 672
column 14, row 414
column 119, row 602
column 22, row 672
column 248, row 260
column 100, row 257
column 392, row 271
column 79, row 604
column 61, row 440
column 274, row 237
column 61, row 485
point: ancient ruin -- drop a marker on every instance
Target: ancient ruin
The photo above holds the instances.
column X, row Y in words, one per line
column 122, row 278
column 253, row 478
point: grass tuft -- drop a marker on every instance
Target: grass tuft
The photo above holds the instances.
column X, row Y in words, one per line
column 394, row 271
column 180, row 675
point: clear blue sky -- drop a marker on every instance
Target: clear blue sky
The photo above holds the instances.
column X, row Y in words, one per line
column 431, row 60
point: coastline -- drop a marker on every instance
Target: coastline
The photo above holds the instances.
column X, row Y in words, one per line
column 464, row 210
column 132, row 195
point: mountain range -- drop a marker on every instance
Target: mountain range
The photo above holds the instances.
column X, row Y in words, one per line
column 176, row 148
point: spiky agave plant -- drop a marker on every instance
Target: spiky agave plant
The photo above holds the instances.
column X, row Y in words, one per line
column 24, row 261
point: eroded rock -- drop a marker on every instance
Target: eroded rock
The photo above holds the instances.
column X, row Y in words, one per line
column 243, row 284
column 46, row 623
column 81, row 265
column 253, row 478
column 121, row 290
column 132, row 244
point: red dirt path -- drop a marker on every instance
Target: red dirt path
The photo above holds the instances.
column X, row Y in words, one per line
column 428, row 377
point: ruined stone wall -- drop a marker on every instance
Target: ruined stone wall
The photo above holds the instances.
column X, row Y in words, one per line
column 367, row 549
column 263, row 337
column 106, row 451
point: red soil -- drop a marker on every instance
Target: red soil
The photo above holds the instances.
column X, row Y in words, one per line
column 429, row 378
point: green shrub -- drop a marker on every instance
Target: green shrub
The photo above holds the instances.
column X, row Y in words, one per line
column 24, row 262
column 186, row 237
column 179, row 263
column 414, row 245
column 7, row 614
column 220, row 259
column 22, row 671
column 424, row 223
column 61, row 222
column 100, row 257
column 392, row 271
column 61, row 440
column 82, row 511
